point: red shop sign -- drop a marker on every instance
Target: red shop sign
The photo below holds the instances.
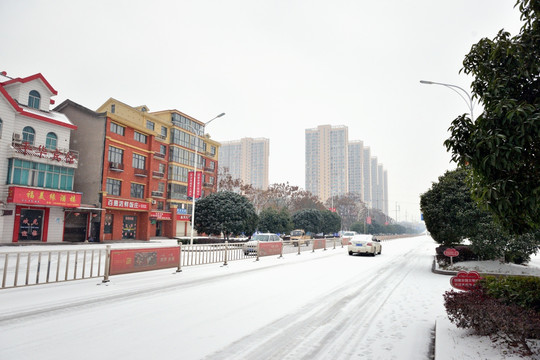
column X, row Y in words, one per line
column 160, row 215
column 33, row 196
column 126, row 204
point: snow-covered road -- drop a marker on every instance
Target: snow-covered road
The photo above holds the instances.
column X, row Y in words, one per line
column 322, row 305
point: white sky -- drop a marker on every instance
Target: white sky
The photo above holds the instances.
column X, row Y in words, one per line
column 275, row 68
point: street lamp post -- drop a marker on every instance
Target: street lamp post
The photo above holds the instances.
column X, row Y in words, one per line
column 468, row 100
column 195, row 174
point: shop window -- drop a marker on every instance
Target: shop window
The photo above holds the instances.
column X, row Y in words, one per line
column 31, row 224
column 108, row 225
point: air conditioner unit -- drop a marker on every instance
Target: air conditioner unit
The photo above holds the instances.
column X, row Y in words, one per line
column 17, row 137
column 153, row 202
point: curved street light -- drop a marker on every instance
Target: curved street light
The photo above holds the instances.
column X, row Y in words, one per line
column 468, row 100
column 195, row 172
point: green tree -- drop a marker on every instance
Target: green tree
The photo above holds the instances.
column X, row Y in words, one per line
column 308, row 219
column 272, row 220
column 331, row 222
column 450, row 213
column 502, row 146
column 225, row 212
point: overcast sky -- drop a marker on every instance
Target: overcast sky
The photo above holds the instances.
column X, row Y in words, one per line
column 276, row 68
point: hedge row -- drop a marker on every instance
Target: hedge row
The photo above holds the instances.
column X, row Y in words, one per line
column 506, row 308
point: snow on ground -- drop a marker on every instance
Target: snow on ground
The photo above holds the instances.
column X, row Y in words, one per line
column 321, row 305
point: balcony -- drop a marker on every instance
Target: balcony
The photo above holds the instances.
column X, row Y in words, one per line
column 158, row 174
column 206, row 184
column 114, row 166
column 140, row 172
column 25, row 151
column 159, row 155
column 157, row 193
column 208, row 169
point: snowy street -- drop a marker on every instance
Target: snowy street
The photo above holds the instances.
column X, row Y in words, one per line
column 322, row 305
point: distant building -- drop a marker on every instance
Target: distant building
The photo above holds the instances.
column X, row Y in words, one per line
column 327, row 157
column 246, row 159
column 356, row 167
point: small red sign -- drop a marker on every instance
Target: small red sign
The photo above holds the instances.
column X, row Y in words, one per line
column 319, row 244
column 450, row 252
column 126, row 204
column 183, row 217
column 160, row 215
column 270, row 248
column 465, row 280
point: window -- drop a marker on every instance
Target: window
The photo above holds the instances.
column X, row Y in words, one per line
column 211, row 165
column 163, row 150
column 33, row 99
column 27, row 173
column 159, row 205
column 114, row 187
column 137, row 191
column 1, row 125
column 113, row 108
column 161, row 187
column 150, row 125
column 116, row 155
column 117, row 129
column 29, row 135
column 139, row 161
column 161, row 168
column 213, row 150
column 163, row 131
column 51, row 141
column 140, row 137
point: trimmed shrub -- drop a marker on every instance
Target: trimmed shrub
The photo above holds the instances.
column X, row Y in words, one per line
column 523, row 291
column 487, row 315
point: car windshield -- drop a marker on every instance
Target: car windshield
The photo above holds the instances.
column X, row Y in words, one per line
column 296, row 233
column 260, row 237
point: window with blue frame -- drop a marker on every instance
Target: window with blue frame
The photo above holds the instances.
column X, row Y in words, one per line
column 51, row 141
column 33, row 99
column 29, row 135
column 27, row 173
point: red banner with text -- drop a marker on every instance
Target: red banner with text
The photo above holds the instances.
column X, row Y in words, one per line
column 127, row 261
column 270, row 248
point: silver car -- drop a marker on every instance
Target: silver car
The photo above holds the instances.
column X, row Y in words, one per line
column 364, row 244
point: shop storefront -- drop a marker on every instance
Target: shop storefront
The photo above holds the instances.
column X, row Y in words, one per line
column 125, row 219
column 39, row 213
column 159, row 221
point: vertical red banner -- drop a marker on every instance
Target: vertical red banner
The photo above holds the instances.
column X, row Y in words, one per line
column 194, row 182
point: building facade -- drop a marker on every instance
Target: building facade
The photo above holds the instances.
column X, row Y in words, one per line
column 246, row 159
column 37, row 197
column 356, row 168
column 327, row 157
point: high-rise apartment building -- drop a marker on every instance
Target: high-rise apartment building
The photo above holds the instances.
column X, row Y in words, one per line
column 327, row 158
column 246, row 159
column 356, row 167
column 336, row 166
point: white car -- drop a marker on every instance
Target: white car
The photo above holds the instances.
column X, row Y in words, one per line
column 251, row 246
column 364, row 244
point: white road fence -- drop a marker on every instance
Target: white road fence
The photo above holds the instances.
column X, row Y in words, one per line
column 23, row 268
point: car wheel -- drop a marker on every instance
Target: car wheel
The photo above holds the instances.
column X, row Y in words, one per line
column 350, row 253
column 374, row 252
column 380, row 250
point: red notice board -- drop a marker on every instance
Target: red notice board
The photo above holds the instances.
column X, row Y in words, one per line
column 318, row 243
column 270, row 248
column 126, row 261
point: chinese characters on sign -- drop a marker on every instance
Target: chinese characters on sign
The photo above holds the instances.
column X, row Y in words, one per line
column 133, row 260
column 465, row 280
column 194, row 182
column 126, row 204
column 68, row 157
column 43, row 197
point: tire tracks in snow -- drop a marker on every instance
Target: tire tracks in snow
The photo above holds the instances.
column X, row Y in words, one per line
column 334, row 326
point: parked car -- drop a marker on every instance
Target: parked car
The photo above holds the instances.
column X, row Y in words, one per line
column 364, row 244
column 299, row 236
column 251, row 246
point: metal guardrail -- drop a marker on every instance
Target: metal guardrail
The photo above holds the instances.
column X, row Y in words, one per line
column 43, row 267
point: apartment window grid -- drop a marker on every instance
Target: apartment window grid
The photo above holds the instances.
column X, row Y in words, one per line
column 113, row 187
column 139, row 161
column 150, row 125
column 117, row 129
column 115, row 155
column 137, row 191
column 185, row 123
column 178, row 173
column 177, row 192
